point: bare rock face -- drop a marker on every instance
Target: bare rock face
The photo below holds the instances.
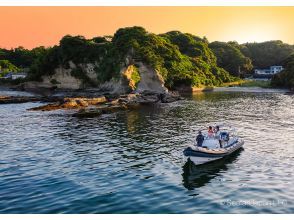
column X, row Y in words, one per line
column 151, row 80
column 62, row 78
column 148, row 79
column 135, row 76
column 89, row 69
column 126, row 84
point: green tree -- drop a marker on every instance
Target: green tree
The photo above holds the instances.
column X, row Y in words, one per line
column 191, row 45
column 6, row 67
column 230, row 58
column 181, row 59
column 267, row 53
column 286, row 77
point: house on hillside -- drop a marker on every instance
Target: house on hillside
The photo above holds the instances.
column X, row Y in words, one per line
column 13, row 76
column 267, row 73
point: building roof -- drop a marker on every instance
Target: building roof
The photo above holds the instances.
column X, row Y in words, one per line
column 276, row 66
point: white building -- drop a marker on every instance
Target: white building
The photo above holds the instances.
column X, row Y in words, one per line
column 14, row 76
column 19, row 76
column 276, row 69
column 271, row 71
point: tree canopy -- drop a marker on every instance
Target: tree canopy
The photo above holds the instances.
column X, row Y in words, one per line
column 267, row 53
column 286, row 77
column 191, row 45
column 6, row 67
column 231, row 58
column 20, row 56
column 182, row 59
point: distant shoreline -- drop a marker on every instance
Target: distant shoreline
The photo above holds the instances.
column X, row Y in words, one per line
column 250, row 89
column 247, row 85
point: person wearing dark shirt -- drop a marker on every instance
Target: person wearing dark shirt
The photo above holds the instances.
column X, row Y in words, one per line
column 199, row 139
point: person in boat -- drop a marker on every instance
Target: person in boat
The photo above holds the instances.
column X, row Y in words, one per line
column 199, row 139
column 217, row 135
column 210, row 132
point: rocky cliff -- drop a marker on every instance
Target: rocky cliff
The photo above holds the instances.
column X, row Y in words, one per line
column 135, row 77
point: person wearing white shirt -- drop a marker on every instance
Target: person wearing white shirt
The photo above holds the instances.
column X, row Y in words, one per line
column 217, row 135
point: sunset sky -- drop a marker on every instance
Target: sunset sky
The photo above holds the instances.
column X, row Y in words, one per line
column 36, row 26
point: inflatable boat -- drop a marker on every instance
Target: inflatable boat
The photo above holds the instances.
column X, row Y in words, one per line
column 214, row 148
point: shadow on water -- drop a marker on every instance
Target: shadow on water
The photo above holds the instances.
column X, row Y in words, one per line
column 197, row 176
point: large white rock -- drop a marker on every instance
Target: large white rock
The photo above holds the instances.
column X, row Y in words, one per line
column 151, row 80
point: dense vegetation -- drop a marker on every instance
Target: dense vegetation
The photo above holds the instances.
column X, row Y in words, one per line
column 182, row 59
column 196, row 67
column 268, row 53
column 21, row 57
column 6, row 66
column 78, row 50
column 177, row 63
column 286, row 77
column 231, row 58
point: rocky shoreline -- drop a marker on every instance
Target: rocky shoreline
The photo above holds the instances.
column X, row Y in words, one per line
column 92, row 107
column 24, row 99
column 93, row 104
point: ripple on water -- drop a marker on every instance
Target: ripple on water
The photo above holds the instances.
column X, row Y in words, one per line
column 132, row 162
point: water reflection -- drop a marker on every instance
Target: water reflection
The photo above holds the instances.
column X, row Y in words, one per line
column 132, row 161
column 218, row 96
column 198, row 176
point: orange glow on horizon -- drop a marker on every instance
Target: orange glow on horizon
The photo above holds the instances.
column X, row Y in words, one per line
column 45, row 26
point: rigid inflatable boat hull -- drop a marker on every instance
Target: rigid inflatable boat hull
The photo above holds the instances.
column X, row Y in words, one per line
column 202, row 156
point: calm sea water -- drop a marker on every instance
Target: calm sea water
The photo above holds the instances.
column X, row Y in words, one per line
column 132, row 162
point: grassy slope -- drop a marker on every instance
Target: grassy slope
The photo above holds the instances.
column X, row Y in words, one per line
column 256, row 83
column 245, row 83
